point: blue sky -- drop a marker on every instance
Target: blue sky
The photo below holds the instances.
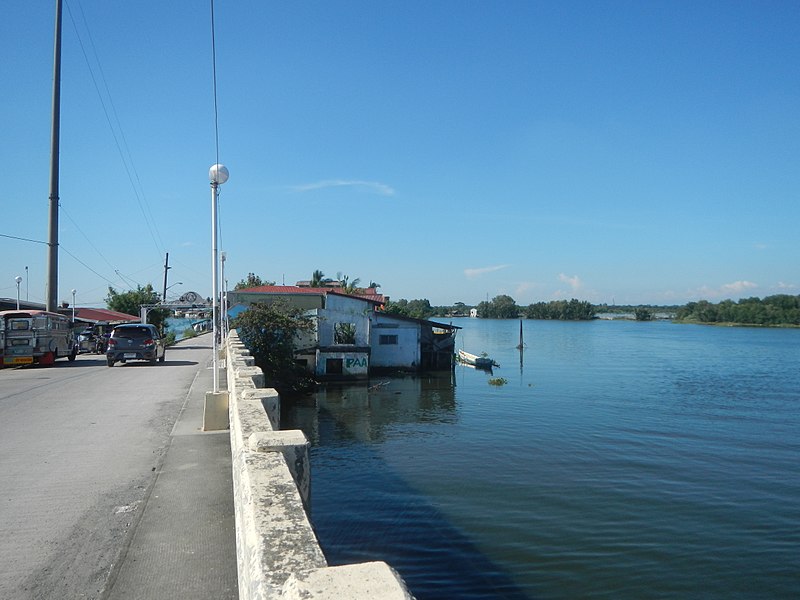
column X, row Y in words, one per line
column 628, row 152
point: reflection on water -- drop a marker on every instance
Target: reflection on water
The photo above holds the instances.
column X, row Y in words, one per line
column 363, row 509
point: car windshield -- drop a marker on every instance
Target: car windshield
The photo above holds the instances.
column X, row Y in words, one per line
column 133, row 332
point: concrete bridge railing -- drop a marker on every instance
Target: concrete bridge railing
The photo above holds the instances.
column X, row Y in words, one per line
column 278, row 554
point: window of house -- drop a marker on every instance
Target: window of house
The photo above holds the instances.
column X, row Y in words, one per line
column 344, row 333
column 334, row 366
column 386, row 340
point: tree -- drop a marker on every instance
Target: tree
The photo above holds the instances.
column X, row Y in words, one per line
column 418, row 309
column 270, row 331
column 317, row 277
column 348, row 287
column 643, row 314
column 252, row 281
column 132, row 301
column 501, row 307
column 574, row 310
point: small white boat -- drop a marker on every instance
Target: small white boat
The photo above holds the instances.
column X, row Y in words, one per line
column 481, row 362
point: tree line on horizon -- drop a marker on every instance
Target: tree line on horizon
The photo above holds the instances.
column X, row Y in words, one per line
column 777, row 310
column 781, row 309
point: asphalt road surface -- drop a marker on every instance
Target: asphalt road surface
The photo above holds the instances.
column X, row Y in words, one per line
column 80, row 447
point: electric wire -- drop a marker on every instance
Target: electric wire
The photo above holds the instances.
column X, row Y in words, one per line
column 14, row 237
column 88, row 239
column 214, row 81
column 127, row 163
column 216, row 109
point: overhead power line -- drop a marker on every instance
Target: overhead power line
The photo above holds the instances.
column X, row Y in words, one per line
column 117, row 132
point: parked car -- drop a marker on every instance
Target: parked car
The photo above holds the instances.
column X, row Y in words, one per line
column 135, row 342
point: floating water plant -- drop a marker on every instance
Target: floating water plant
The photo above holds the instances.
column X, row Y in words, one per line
column 498, row 381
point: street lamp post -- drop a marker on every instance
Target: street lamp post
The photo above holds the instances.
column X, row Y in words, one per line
column 74, row 291
column 18, row 279
column 224, row 298
column 166, row 289
column 217, row 174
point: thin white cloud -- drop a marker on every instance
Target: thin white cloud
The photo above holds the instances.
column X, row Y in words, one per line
column 473, row 273
column 370, row 186
column 523, row 288
column 574, row 281
column 726, row 290
column 738, row 286
column 786, row 286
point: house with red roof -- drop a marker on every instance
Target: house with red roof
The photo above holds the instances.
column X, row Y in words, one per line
column 353, row 336
column 102, row 315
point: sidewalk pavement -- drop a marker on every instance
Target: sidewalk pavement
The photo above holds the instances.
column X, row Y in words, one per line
column 184, row 545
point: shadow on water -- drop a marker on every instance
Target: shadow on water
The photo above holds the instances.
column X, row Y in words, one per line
column 363, row 509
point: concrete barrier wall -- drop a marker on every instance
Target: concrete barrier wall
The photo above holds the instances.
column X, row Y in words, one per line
column 278, row 554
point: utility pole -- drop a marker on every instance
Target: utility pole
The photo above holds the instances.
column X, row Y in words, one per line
column 52, row 244
column 166, row 268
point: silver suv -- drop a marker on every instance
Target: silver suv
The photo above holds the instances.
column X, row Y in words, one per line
column 135, row 342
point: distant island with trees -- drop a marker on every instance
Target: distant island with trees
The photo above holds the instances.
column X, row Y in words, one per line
column 781, row 310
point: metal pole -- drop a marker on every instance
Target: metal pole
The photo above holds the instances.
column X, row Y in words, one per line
column 166, row 268
column 52, row 250
column 214, row 283
column 223, row 302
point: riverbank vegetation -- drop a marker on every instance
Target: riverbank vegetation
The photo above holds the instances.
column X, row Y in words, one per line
column 779, row 310
column 269, row 331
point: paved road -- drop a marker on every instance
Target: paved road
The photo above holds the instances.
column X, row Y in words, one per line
column 81, row 446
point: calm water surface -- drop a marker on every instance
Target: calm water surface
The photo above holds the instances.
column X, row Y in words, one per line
column 621, row 460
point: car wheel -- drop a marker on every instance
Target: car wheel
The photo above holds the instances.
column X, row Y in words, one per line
column 110, row 362
column 152, row 361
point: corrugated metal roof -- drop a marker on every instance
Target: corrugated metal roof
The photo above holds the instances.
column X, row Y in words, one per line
column 103, row 314
column 317, row 291
column 434, row 324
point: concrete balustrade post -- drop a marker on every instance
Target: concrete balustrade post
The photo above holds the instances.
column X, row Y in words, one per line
column 270, row 401
column 365, row 581
column 294, row 446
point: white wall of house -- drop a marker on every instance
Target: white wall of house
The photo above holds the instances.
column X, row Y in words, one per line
column 346, row 363
column 394, row 342
column 343, row 309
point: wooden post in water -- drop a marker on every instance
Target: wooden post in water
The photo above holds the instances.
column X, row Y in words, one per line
column 520, row 345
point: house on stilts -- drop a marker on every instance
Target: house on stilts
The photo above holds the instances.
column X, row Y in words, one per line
column 353, row 337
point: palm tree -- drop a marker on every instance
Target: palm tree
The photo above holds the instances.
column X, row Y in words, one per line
column 317, row 278
column 347, row 286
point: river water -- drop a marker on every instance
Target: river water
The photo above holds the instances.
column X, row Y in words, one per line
column 620, row 460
